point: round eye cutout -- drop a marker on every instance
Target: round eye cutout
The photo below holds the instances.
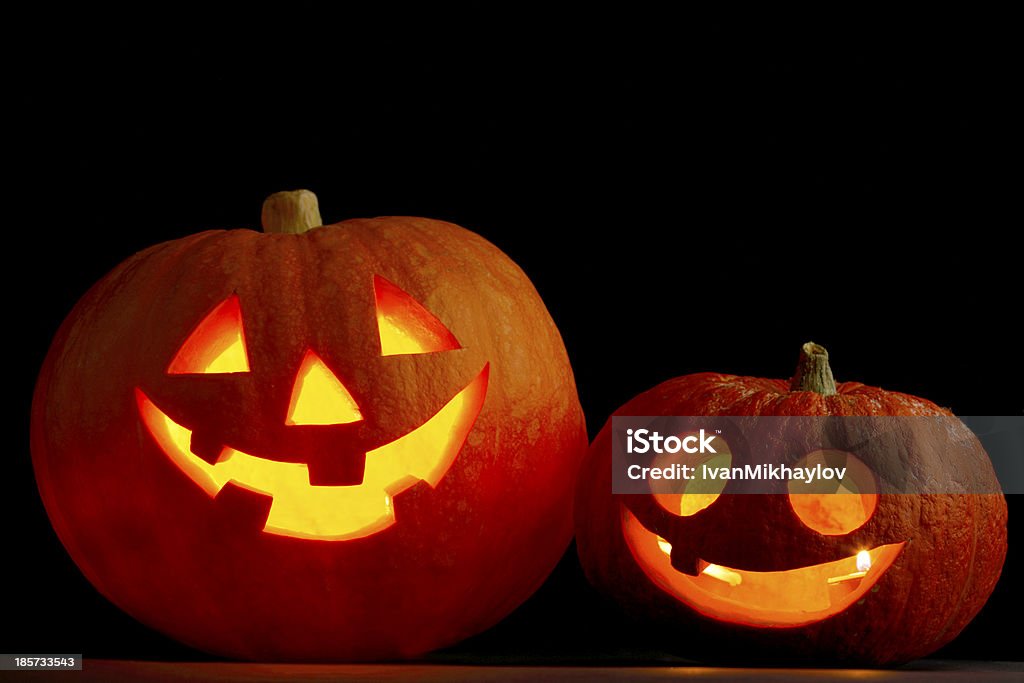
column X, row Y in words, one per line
column 835, row 507
column 687, row 497
column 216, row 345
column 405, row 326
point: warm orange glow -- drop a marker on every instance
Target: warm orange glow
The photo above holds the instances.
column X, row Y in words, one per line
column 333, row 513
column 768, row 599
column 405, row 326
column 834, row 514
column 685, row 504
column 845, row 508
column 216, row 345
column 696, row 494
column 719, row 572
column 319, row 397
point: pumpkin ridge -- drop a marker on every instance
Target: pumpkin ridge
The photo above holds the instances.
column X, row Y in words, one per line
column 896, row 623
column 955, row 612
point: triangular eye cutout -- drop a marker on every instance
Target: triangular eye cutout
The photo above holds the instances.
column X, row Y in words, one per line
column 216, row 345
column 405, row 326
column 319, row 397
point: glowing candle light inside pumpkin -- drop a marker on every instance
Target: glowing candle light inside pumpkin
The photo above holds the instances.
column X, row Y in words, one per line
column 863, row 565
column 863, row 561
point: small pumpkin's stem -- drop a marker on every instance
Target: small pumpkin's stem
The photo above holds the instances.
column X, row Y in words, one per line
column 291, row 213
column 813, row 372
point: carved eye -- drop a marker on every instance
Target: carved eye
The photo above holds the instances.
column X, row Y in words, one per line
column 695, row 494
column 846, row 505
column 405, row 326
column 216, row 345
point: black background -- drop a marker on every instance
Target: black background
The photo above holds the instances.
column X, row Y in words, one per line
column 656, row 178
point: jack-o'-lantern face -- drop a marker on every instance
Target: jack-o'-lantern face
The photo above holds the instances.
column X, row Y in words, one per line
column 868, row 551
column 319, row 404
column 309, row 443
column 792, row 593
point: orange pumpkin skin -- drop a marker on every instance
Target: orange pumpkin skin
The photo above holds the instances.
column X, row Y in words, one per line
column 942, row 577
column 201, row 569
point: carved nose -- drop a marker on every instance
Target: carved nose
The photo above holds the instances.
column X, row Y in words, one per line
column 319, row 397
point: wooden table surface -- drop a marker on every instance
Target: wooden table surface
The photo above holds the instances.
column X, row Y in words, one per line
column 110, row 671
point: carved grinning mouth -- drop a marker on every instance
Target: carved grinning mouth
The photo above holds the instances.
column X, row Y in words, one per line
column 332, row 513
column 795, row 597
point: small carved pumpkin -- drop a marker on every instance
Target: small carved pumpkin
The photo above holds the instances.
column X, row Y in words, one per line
column 870, row 578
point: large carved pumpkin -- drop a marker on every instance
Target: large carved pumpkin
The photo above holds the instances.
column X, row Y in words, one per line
column 864, row 578
column 351, row 442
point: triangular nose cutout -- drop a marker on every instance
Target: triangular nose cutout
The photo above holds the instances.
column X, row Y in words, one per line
column 319, row 397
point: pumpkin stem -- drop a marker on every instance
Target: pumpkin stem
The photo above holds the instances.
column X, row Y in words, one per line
column 813, row 372
column 291, row 213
